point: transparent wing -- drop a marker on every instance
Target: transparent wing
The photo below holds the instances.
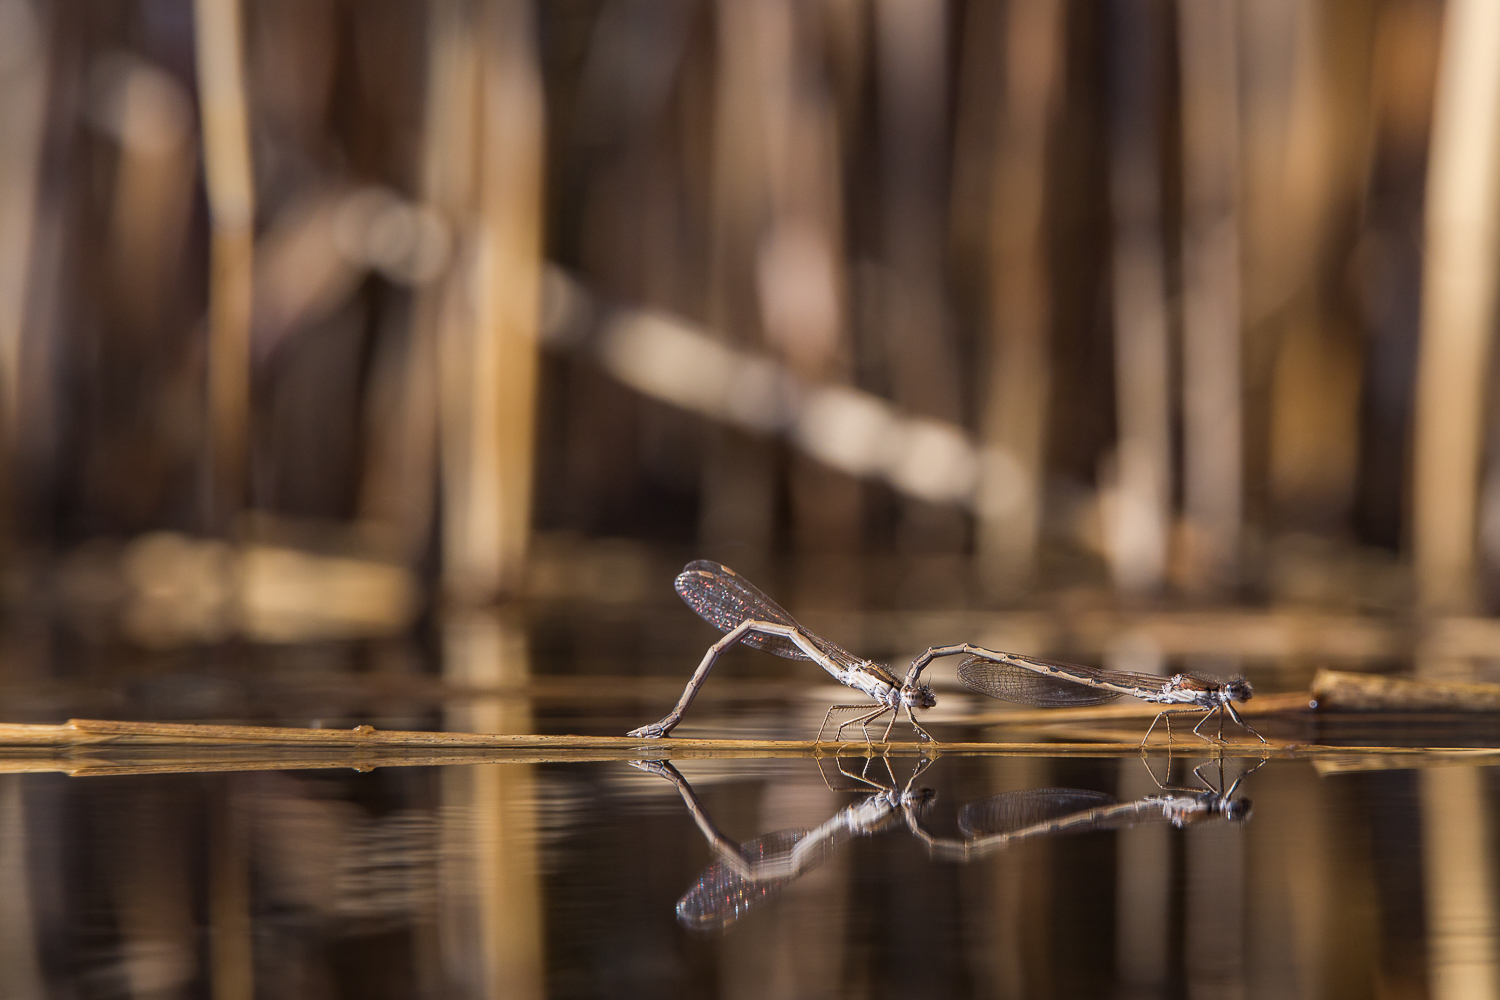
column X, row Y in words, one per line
column 724, row 599
column 1093, row 676
column 722, row 895
column 1010, row 682
column 1038, row 810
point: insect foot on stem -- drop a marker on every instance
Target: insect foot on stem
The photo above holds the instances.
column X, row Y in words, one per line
column 651, row 732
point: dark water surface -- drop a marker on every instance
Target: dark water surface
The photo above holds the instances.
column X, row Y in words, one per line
column 593, row 879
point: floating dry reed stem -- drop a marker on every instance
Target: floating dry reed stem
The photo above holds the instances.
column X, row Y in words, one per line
column 99, row 747
column 1339, row 691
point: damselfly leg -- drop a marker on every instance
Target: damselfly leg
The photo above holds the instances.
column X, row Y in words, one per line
column 866, row 719
column 1217, row 789
column 1167, row 715
column 864, row 772
column 861, row 722
column 863, row 777
column 1235, row 715
column 796, row 639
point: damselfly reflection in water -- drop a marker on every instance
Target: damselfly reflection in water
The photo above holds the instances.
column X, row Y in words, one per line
column 1010, row 817
column 744, row 876
column 737, row 607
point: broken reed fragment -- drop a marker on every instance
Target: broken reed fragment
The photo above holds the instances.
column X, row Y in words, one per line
column 1341, row 691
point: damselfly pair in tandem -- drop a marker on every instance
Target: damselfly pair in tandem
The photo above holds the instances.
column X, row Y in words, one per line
column 735, row 606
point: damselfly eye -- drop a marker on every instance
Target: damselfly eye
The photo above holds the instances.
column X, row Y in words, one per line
column 1237, row 810
column 1239, row 689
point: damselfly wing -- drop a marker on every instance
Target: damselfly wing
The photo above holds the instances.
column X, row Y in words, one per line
column 725, row 599
column 726, row 891
column 1011, row 813
column 1027, row 680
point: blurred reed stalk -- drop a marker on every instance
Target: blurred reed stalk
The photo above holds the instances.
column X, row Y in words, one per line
column 1304, row 183
column 738, row 471
column 152, row 204
column 1212, row 391
column 1017, row 375
column 911, row 321
column 399, row 488
column 23, row 100
column 799, row 272
column 497, row 524
column 911, row 94
column 482, row 171
column 1140, row 509
column 231, row 203
column 1458, row 303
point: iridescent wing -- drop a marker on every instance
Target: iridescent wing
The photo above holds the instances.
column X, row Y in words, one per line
column 724, row 599
column 1034, row 811
column 1012, row 682
column 723, row 894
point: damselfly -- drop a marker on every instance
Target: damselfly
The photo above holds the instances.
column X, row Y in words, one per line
column 745, row 875
column 733, row 604
column 1051, row 684
column 1001, row 820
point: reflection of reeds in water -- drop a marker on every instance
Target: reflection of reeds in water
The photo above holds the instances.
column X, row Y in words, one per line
column 1459, row 868
column 334, row 861
column 19, row 972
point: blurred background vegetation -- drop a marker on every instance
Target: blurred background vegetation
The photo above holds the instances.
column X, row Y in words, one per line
column 315, row 312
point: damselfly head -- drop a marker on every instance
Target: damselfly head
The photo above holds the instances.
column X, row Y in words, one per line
column 1235, row 810
column 1239, row 689
column 920, row 696
column 920, row 798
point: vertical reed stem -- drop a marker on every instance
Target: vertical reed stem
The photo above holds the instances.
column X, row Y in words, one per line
column 1014, row 424
column 1458, row 302
column 231, row 203
column 489, row 368
column 1212, row 393
column 1140, row 514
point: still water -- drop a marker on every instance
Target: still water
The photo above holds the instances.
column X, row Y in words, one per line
column 606, row 878
column 1006, row 874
